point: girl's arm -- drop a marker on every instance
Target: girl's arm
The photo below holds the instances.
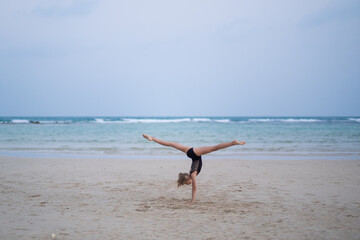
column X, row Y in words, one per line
column 193, row 178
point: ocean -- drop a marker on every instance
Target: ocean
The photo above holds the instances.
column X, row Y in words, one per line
column 121, row 137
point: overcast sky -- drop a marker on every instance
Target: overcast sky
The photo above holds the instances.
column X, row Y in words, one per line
column 179, row 58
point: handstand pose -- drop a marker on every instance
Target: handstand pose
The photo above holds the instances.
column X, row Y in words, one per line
column 195, row 155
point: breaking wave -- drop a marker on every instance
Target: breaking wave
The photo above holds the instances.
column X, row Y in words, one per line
column 354, row 119
column 290, row 120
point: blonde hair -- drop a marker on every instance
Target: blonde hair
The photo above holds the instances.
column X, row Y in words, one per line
column 182, row 179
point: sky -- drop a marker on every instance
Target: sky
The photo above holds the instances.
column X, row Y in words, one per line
column 179, row 58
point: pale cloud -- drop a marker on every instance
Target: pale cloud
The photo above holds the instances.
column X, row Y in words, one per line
column 65, row 8
column 220, row 57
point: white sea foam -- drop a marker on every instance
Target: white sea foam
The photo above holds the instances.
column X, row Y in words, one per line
column 261, row 120
column 151, row 120
column 201, row 120
column 354, row 119
column 26, row 121
column 222, row 120
column 301, row 120
column 290, row 120
column 170, row 120
column 20, row 121
column 48, row 122
column 54, row 122
column 101, row 120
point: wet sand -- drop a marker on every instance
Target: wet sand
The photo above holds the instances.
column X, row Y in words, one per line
column 139, row 199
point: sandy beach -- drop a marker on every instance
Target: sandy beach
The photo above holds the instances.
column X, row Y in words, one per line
column 139, row 199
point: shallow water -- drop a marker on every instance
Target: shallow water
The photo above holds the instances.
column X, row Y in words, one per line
column 266, row 137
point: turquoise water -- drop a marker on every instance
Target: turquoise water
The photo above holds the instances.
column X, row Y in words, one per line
column 266, row 137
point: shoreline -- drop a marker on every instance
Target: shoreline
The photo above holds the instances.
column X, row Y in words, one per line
column 123, row 198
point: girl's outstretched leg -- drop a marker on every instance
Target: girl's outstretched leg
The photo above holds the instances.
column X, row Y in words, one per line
column 204, row 150
column 175, row 145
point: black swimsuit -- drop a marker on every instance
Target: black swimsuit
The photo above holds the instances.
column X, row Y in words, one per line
column 196, row 161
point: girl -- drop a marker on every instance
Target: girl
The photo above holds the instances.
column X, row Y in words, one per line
column 195, row 155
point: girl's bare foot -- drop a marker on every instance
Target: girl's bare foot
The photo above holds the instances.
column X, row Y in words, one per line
column 236, row 142
column 147, row 137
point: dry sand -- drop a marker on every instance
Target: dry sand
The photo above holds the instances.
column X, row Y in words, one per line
column 139, row 199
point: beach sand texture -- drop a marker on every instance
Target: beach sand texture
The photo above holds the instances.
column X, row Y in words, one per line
column 139, row 199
